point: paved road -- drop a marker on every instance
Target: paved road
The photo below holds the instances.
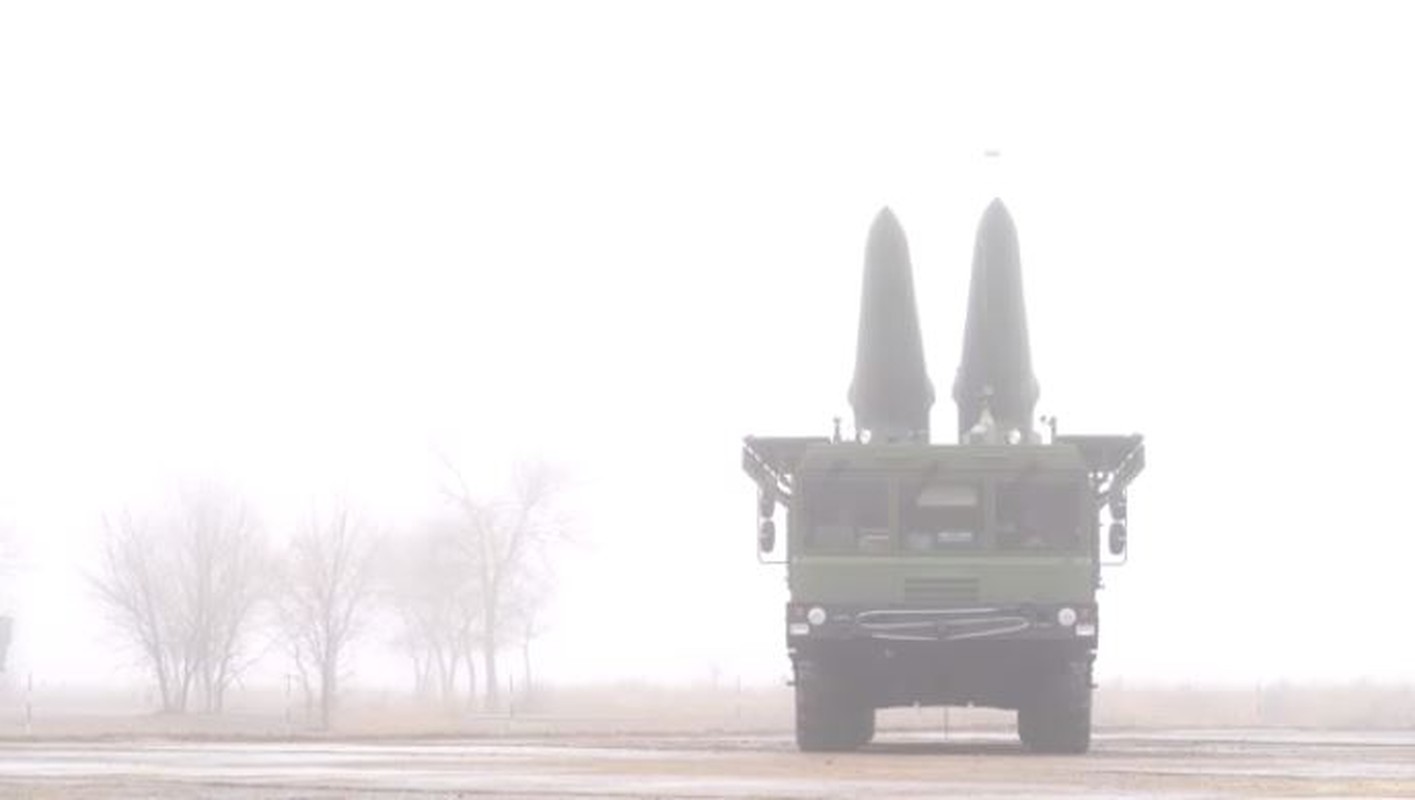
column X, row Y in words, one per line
column 1227, row 764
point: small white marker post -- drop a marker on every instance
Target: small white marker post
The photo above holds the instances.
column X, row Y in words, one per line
column 510, row 702
column 737, row 706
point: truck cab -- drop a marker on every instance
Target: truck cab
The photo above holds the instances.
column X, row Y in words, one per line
column 927, row 574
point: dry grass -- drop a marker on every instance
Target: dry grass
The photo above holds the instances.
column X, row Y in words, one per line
column 640, row 708
column 1363, row 706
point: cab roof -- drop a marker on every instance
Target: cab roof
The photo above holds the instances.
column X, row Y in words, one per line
column 909, row 458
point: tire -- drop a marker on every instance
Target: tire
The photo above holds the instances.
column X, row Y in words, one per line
column 829, row 715
column 1056, row 718
column 1055, row 728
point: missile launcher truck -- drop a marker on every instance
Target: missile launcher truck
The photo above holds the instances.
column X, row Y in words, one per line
column 943, row 574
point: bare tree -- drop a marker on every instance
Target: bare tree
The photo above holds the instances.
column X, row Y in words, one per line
column 505, row 543
column 224, row 567
column 428, row 588
column 529, row 625
column 326, row 598
column 467, row 631
column 137, row 587
column 184, row 591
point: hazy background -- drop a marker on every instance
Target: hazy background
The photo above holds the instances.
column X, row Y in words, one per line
column 298, row 245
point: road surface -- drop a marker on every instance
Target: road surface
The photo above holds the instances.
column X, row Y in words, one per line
column 1218, row 764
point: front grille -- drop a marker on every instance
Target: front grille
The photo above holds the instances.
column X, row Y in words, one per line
column 940, row 591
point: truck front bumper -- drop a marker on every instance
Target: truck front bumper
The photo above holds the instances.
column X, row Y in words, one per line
column 1076, row 623
column 1003, row 656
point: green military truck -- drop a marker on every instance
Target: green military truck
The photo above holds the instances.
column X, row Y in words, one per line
column 943, row 574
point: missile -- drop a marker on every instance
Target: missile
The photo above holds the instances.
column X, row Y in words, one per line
column 891, row 393
column 995, row 389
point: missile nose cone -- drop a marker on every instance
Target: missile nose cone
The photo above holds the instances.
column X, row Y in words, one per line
column 997, row 230
column 887, row 244
column 886, row 219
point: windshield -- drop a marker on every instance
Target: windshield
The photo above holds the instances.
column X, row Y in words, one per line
column 940, row 516
column 852, row 515
column 1038, row 516
column 845, row 515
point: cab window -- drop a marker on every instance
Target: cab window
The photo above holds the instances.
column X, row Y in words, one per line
column 940, row 517
column 1038, row 516
column 845, row 515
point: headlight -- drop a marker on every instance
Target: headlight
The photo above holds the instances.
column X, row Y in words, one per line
column 816, row 616
column 1066, row 617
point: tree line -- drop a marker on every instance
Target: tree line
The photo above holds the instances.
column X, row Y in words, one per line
column 200, row 593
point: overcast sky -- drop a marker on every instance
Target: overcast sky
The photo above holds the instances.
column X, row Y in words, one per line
column 296, row 245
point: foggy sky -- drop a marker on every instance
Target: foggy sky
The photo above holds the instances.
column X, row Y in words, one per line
column 297, row 245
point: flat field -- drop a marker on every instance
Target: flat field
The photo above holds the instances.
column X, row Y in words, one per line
column 713, row 742
column 1179, row 764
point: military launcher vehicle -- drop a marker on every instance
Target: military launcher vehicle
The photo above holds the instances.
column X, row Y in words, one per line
column 943, row 574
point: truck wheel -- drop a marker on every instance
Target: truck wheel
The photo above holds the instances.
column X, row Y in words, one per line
column 1051, row 727
column 829, row 718
column 866, row 726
